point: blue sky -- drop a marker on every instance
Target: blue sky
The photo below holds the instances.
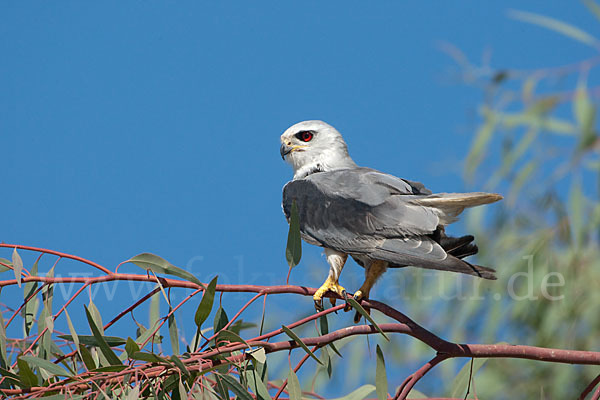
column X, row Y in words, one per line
column 153, row 126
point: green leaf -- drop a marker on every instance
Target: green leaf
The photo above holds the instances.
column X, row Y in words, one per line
column 585, row 115
column 17, row 264
column 415, row 394
column 159, row 265
column 182, row 390
column 300, row 343
column 154, row 309
column 205, row 306
column 561, row 27
column 358, row 394
column 461, row 381
column 145, row 335
column 15, row 379
column 90, row 340
column 96, row 316
column 180, row 365
column 4, row 268
column 173, row 334
column 221, row 319
column 74, row 338
column 256, row 384
column 62, row 397
column 325, row 330
column 52, row 368
column 221, row 389
column 28, row 312
column 149, row 357
column 240, row 325
column 294, row 386
column 87, row 358
column 26, row 375
column 111, row 357
column 362, row 312
column 3, row 355
column 111, row 368
column 225, row 335
column 293, row 250
column 131, row 347
column 236, row 387
column 326, row 359
column 381, row 382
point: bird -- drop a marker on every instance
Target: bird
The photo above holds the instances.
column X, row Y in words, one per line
column 378, row 219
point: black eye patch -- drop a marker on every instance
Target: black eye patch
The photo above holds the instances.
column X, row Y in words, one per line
column 305, row 136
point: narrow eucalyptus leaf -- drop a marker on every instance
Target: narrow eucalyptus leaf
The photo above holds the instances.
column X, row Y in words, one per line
column 111, row 357
column 90, row 340
column 52, row 368
column 358, row 394
column 293, row 251
column 205, row 306
column 256, row 384
column 225, row 335
column 294, row 386
column 461, row 381
column 174, row 334
column 26, row 375
column 4, row 263
column 236, row 387
column 87, row 358
column 362, row 312
column 158, row 265
column 221, row 319
column 381, row 382
column 300, row 343
column 17, row 264
column 177, row 361
column 325, row 330
column 131, row 347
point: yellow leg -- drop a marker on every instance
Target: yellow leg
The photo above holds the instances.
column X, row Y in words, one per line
column 372, row 273
column 336, row 261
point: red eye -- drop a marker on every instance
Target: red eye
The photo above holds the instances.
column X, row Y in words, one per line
column 306, row 136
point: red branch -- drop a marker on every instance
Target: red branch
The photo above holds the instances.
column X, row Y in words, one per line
column 201, row 360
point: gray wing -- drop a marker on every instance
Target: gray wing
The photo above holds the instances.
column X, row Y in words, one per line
column 356, row 210
column 361, row 211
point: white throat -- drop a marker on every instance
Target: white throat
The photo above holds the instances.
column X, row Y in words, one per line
column 328, row 160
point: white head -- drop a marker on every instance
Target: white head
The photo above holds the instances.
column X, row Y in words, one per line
column 313, row 146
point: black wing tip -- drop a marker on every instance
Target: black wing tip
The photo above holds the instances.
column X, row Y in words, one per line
column 483, row 272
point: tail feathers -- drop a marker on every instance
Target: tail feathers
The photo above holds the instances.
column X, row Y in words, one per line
column 459, row 199
column 454, row 264
column 450, row 205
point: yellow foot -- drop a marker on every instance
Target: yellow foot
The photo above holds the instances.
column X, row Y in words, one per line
column 330, row 285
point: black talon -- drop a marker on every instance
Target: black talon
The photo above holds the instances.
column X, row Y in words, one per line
column 357, row 317
column 319, row 305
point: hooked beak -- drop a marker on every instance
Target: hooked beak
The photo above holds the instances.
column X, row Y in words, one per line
column 284, row 150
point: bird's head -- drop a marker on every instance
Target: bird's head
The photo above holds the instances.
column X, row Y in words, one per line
column 313, row 146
